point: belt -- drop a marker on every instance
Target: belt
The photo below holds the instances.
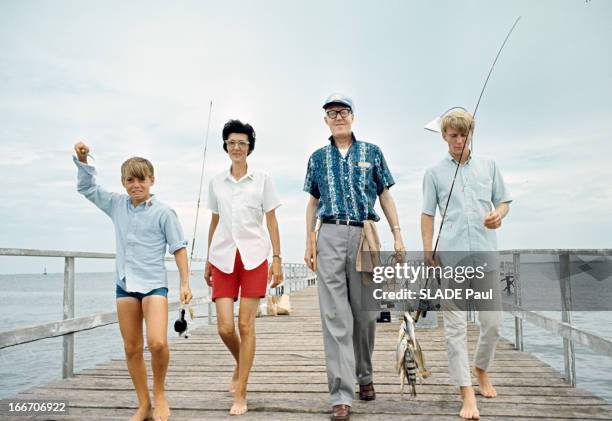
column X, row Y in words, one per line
column 343, row 222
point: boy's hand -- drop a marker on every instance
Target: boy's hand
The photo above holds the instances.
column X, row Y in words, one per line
column 207, row 274
column 429, row 259
column 82, row 150
column 275, row 271
column 493, row 220
column 186, row 295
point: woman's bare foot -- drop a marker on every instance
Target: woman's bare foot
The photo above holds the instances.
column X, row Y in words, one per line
column 240, row 403
column 469, row 410
column 144, row 412
column 161, row 412
column 486, row 387
column 234, row 381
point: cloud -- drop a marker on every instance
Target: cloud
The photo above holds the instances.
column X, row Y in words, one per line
column 139, row 83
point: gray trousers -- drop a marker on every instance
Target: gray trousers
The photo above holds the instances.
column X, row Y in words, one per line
column 348, row 328
column 455, row 331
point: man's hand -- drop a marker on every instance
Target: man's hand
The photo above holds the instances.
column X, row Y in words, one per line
column 186, row 295
column 400, row 250
column 207, row 274
column 275, row 273
column 309, row 257
column 493, row 220
column 82, row 150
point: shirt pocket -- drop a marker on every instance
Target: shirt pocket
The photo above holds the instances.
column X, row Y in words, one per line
column 362, row 177
column 252, row 206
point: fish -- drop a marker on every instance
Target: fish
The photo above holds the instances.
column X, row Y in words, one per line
column 410, row 361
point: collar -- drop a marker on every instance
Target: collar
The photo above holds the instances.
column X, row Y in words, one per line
column 147, row 203
column 333, row 142
column 249, row 174
column 450, row 158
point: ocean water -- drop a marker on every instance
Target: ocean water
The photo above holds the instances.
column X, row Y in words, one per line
column 28, row 300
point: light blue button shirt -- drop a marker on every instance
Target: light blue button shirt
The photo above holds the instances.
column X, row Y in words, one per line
column 141, row 233
column 479, row 185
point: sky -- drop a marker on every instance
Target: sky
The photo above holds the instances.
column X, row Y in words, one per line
column 136, row 78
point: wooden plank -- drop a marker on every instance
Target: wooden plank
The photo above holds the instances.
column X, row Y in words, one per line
column 70, row 326
column 288, row 380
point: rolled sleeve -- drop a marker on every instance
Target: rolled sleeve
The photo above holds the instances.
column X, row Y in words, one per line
column 271, row 200
column 500, row 193
column 310, row 183
column 87, row 186
column 211, row 202
column 382, row 174
column 174, row 232
column 430, row 194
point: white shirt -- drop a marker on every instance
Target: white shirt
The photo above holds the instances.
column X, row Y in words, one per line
column 241, row 206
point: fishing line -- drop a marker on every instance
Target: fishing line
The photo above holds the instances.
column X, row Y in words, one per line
column 195, row 226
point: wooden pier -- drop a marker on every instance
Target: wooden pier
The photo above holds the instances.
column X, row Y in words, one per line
column 288, row 380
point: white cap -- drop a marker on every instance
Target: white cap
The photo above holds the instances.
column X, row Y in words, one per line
column 435, row 124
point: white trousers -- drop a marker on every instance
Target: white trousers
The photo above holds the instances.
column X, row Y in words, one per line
column 455, row 332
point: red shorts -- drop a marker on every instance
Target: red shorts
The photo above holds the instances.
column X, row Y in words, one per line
column 251, row 283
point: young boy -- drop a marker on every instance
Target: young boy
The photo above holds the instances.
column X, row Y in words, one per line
column 468, row 227
column 144, row 227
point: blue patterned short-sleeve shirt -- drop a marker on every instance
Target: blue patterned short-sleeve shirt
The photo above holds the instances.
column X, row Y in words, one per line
column 347, row 187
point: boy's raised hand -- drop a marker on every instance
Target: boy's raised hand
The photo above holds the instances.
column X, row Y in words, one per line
column 82, row 150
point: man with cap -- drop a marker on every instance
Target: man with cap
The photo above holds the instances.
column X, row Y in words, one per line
column 344, row 178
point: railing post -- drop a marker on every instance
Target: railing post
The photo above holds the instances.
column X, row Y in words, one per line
column 518, row 300
column 569, row 356
column 68, row 339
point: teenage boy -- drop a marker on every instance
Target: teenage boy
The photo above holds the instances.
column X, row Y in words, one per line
column 144, row 227
column 468, row 228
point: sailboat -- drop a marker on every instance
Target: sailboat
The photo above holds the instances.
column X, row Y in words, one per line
column 45, row 271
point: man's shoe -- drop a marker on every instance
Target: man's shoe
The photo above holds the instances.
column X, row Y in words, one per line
column 341, row 413
column 367, row 392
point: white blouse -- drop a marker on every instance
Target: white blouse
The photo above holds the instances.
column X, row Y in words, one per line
column 241, row 205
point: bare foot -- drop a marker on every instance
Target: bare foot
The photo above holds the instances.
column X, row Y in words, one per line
column 161, row 412
column 144, row 412
column 240, row 404
column 469, row 410
column 234, row 381
column 486, row 387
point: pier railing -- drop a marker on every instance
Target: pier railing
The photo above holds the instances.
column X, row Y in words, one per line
column 570, row 334
column 296, row 276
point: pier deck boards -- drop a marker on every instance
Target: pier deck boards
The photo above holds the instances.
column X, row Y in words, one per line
column 288, row 380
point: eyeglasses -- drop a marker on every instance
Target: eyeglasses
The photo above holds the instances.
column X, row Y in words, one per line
column 344, row 113
column 241, row 144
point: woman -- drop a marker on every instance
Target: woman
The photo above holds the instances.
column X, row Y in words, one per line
column 238, row 250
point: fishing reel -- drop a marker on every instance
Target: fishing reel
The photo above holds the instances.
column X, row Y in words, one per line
column 424, row 307
column 181, row 326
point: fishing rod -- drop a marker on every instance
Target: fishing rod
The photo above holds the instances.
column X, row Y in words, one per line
column 195, row 226
column 423, row 308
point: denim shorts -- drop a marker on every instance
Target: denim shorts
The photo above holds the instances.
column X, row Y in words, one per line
column 121, row 293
